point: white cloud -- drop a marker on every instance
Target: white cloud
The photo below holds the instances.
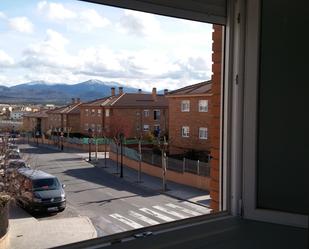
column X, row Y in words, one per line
column 55, row 11
column 138, row 23
column 5, row 59
column 49, row 53
column 82, row 21
column 21, row 24
column 2, row 15
column 91, row 19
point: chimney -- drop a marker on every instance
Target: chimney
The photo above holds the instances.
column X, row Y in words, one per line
column 139, row 90
column 73, row 100
column 113, row 91
column 120, row 90
column 165, row 91
column 78, row 100
column 154, row 93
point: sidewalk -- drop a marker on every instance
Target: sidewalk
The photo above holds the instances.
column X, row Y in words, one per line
column 173, row 189
column 26, row 232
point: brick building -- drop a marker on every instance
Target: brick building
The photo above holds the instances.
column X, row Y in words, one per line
column 134, row 112
column 189, row 118
column 36, row 122
column 66, row 118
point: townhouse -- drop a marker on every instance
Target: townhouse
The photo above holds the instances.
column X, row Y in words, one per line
column 65, row 118
column 36, row 122
column 134, row 114
column 189, row 118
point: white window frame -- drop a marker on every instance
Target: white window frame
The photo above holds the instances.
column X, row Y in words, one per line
column 251, row 75
column 146, row 127
column 99, row 128
column 146, row 113
column 185, row 103
column 185, row 131
column 203, row 131
column 87, row 112
column 99, row 112
column 107, row 112
column 203, row 108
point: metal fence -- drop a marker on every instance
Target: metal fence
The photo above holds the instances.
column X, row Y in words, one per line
column 181, row 166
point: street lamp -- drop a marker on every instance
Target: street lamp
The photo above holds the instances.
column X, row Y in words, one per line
column 121, row 135
column 89, row 143
column 61, row 140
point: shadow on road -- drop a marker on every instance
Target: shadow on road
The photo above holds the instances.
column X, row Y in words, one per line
column 106, row 180
column 38, row 150
column 102, row 202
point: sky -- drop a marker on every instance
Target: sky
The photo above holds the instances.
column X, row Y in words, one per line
column 70, row 41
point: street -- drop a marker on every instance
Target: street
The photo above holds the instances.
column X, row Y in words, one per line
column 112, row 204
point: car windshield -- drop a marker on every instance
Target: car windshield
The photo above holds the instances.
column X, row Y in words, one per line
column 45, row 184
column 14, row 156
column 17, row 164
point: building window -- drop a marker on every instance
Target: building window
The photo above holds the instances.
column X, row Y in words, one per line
column 146, row 113
column 107, row 112
column 185, row 131
column 86, row 126
column 156, row 114
column 185, row 105
column 92, row 112
column 99, row 112
column 156, row 130
column 99, row 128
column 203, row 133
column 86, row 112
column 203, row 106
column 146, row 127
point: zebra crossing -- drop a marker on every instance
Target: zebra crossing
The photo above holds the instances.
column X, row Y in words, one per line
column 156, row 214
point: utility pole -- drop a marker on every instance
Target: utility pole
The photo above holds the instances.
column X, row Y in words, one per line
column 164, row 164
column 121, row 154
column 89, row 143
column 140, row 159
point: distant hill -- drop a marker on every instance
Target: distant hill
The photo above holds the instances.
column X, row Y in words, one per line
column 60, row 93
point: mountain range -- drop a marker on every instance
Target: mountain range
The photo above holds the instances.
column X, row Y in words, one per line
column 43, row 92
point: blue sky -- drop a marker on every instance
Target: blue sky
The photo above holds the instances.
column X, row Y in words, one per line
column 71, row 41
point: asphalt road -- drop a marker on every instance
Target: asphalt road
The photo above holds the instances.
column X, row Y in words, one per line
column 113, row 204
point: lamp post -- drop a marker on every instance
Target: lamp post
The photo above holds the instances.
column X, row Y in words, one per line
column 121, row 135
column 89, row 143
column 61, row 140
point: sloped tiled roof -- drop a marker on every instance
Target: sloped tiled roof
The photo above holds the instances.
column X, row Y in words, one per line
column 68, row 109
column 131, row 100
column 40, row 114
column 199, row 88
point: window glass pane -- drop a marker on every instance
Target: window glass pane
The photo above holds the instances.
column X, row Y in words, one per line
column 169, row 129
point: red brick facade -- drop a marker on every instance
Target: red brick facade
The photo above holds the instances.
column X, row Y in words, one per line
column 194, row 119
column 132, row 113
column 214, row 129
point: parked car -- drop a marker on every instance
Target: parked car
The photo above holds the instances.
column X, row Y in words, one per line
column 39, row 191
column 12, row 154
column 13, row 165
column 13, row 147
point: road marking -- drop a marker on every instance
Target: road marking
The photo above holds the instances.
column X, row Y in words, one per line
column 143, row 218
column 163, row 209
column 127, row 221
column 185, row 210
column 204, row 210
column 156, row 214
